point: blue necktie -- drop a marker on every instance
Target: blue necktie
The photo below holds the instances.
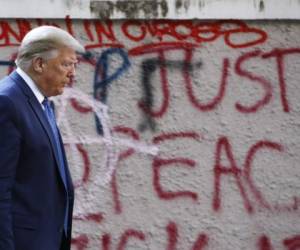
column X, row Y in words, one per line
column 51, row 119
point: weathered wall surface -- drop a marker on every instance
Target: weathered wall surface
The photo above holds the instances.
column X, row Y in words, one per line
column 181, row 135
column 152, row 9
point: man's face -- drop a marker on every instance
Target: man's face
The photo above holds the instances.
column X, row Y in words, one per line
column 58, row 72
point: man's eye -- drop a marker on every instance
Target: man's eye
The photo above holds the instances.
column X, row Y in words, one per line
column 69, row 64
column 66, row 64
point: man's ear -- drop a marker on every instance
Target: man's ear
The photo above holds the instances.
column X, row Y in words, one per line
column 38, row 64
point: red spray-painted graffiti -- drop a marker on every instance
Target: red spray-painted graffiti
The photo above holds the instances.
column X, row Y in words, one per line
column 242, row 175
column 239, row 69
column 103, row 34
column 158, row 163
column 164, row 36
column 198, row 32
column 174, row 237
column 11, row 37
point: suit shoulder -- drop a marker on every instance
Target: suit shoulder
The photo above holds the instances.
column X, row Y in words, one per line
column 6, row 102
column 9, row 94
column 8, row 110
column 8, row 87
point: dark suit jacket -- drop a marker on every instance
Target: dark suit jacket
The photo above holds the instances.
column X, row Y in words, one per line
column 32, row 194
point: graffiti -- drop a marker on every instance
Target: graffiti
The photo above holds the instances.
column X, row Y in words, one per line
column 103, row 34
column 186, row 67
column 122, row 156
column 10, row 36
column 242, row 175
column 264, row 243
column 201, row 242
column 148, row 68
column 292, row 242
column 280, row 55
column 80, row 242
column 173, row 238
column 220, row 170
column 7, row 63
column 200, row 32
column 102, row 79
column 232, row 170
column 110, row 159
column 180, row 134
column 158, row 163
column 98, row 217
column 130, row 233
column 289, row 243
column 10, row 63
column 265, row 85
column 102, row 30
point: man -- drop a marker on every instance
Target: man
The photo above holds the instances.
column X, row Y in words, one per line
column 36, row 192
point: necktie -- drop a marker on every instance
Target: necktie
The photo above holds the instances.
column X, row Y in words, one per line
column 62, row 168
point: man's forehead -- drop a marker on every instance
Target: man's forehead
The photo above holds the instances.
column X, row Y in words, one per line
column 74, row 59
column 70, row 57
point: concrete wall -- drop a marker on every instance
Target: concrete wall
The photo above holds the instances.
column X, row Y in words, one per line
column 148, row 9
column 181, row 135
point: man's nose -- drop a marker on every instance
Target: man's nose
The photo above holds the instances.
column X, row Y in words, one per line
column 72, row 71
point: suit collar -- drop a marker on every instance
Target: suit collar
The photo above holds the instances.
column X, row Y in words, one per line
column 31, row 84
column 22, row 84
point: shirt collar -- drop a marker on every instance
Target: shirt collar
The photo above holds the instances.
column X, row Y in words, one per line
column 31, row 85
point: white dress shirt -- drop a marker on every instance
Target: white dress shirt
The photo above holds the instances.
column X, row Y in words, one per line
column 39, row 96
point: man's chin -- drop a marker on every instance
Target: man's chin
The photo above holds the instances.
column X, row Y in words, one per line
column 61, row 92
column 58, row 92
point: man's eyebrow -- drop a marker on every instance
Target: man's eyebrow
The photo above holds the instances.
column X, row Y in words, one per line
column 73, row 60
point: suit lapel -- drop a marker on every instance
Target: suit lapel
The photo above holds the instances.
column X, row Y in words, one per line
column 69, row 183
column 36, row 107
column 43, row 120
